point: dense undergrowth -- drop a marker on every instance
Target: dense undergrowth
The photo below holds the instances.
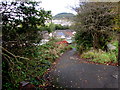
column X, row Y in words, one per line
column 103, row 57
column 32, row 68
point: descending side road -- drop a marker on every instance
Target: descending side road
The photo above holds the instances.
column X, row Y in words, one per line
column 69, row 72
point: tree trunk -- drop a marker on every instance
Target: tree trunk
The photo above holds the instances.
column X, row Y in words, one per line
column 95, row 41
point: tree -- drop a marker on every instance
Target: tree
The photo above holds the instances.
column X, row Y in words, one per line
column 94, row 24
column 20, row 26
column 20, row 23
column 117, row 28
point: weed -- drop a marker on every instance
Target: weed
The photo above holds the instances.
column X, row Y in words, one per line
column 100, row 56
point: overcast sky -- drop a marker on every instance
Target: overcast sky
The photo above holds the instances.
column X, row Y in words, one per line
column 58, row 6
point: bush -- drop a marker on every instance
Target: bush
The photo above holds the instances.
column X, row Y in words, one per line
column 83, row 41
column 51, row 27
column 115, row 43
column 60, row 27
column 36, row 63
column 100, row 56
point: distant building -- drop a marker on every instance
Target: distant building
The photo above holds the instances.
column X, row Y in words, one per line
column 63, row 33
column 62, row 22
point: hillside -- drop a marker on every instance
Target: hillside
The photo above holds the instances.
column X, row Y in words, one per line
column 63, row 15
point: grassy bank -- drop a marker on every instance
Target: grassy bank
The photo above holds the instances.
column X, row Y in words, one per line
column 102, row 57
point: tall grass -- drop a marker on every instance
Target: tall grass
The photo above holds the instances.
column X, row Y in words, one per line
column 100, row 56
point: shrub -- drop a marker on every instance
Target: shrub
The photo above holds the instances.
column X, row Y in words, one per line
column 100, row 56
column 89, row 54
column 38, row 60
column 60, row 27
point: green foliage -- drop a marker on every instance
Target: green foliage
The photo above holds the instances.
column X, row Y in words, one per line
column 116, row 20
column 115, row 43
column 39, row 60
column 71, row 46
column 102, row 56
column 93, row 25
column 21, row 21
column 60, row 27
column 83, row 41
column 50, row 28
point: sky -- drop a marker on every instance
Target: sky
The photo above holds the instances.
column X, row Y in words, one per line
column 56, row 6
column 59, row 6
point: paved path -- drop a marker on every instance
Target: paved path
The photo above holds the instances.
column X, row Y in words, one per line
column 69, row 72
